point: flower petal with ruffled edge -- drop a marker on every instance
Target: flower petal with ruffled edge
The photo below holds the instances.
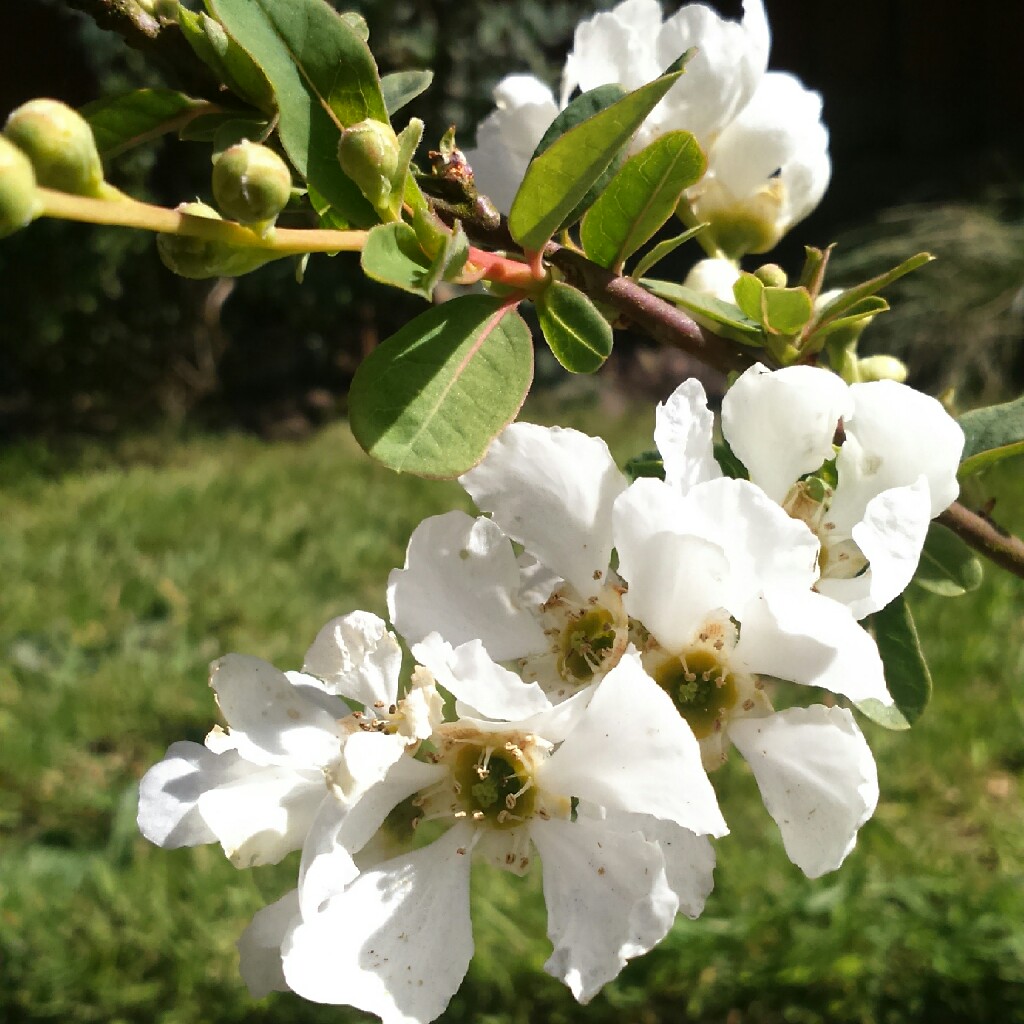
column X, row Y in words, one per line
column 781, row 424
column 259, row 947
column 552, row 489
column 817, row 778
column 607, row 900
column 397, row 942
column 684, row 429
column 462, row 577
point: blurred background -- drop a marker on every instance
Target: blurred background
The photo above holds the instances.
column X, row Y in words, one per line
column 177, row 481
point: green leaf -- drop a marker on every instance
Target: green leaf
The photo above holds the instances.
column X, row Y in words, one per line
column 323, row 77
column 867, row 307
column 785, row 310
column 577, row 334
column 842, row 302
column 403, row 87
column 748, row 290
column 948, row 567
column 234, row 124
column 357, row 23
column 720, row 317
column 906, row 671
column 228, row 61
column 122, row 122
column 992, row 434
column 430, row 399
column 393, row 256
column 558, row 179
column 640, row 198
column 663, row 249
column 646, row 464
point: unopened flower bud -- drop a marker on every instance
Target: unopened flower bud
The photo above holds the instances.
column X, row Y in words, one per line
column 60, row 144
column 251, row 183
column 772, row 275
column 369, row 153
column 19, row 201
column 882, row 368
column 714, row 277
column 201, row 258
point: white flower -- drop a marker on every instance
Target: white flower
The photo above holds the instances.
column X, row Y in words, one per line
column 714, row 277
column 719, row 592
column 295, row 756
column 557, row 609
column 893, row 473
column 767, row 150
column 397, row 941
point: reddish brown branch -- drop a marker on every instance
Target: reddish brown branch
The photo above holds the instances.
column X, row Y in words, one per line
column 985, row 537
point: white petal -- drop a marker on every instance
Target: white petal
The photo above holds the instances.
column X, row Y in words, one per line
column 271, row 721
column 675, row 580
column 890, row 536
column 462, row 578
column 342, row 828
column 894, row 434
column 552, row 490
column 506, row 138
column 607, row 899
column 809, row 638
column 397, row 942
column 169, row 793
column 714, row 277
column 471, row 676
column 358, row 658
column 817, row 778
column 683, row 431
column 781, row 424
column 259, row 947
column 766, row 548
column 262, row 817
column 632, row 751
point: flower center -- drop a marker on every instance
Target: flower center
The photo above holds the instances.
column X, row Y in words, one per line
column 700, row 687
column 586, row 642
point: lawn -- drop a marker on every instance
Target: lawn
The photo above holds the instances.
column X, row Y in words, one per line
column 126, row 571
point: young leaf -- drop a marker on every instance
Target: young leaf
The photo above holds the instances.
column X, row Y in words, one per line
column 402, row 87
column 748, row 291
column 720, row 317
column 948, row 567
column 575, row 331
column 430, row 399
column 785, row 310
column 393, row 255
column 122, row 122
column 649, row 260
column 842, row 302
column 646, row 464
column 906, row 671
column 640, row 198
column 323, row 77
column 992, row 434
column 870, row 306
column 558, row 179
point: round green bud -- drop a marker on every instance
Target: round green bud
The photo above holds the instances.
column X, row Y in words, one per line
column 368, row 153
column 772, row 275
column 251, row 183
column 19, row 201
column 60, row 144
column 881, row 368
column 201, row 258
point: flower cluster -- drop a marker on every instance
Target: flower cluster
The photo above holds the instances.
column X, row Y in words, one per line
column 586, row 653
column 767, row 150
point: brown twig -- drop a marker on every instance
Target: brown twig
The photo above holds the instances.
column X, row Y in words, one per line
column 986, row 537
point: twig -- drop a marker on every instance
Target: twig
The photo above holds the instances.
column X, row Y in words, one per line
column 985, row 537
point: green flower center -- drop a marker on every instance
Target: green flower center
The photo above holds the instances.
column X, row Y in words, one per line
column 494, row 785
column 700, row 687
column 586, row 642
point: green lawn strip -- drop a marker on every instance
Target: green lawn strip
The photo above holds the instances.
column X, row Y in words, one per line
column 126, row 572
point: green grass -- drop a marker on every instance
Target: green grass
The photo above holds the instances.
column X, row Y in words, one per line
column 125, row 572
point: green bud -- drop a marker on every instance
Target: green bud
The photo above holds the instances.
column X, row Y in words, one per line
column 251, row 183
column 881, row 368
column 772, row 275
column 19, row 202
column 369, row 153
column 167, row 10
column 201, row 258
column 60, row 144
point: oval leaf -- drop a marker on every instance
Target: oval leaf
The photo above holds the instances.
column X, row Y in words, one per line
column 948, row 567
column 393, row 255
column 577, row 334
column 558, row 179
column 323, row 77
column 992, row 434
column 785, row 310
column 430, row 399
column 122, row 122
column 641, row 198
column 403, row 87
column 906, row 671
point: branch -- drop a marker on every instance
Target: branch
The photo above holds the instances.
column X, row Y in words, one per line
column 986, row 537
